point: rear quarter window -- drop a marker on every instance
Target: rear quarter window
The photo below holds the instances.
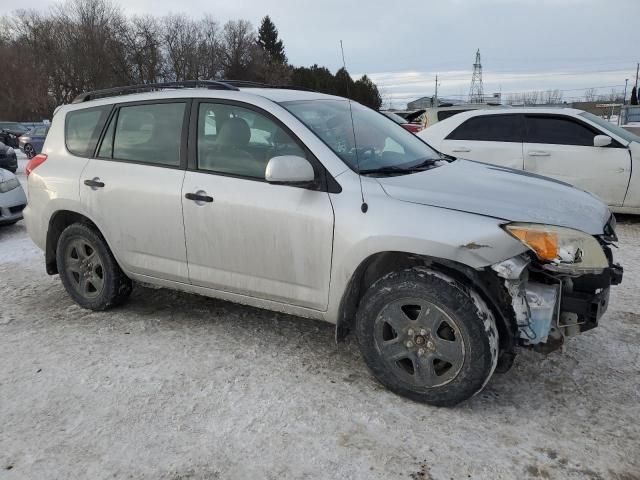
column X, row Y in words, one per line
column 82, row 129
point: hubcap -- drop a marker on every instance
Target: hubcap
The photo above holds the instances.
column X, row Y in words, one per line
column 84, row 268
column 419, row 342
column 28, row 151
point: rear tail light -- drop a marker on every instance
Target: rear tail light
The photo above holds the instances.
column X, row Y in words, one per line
column 34, row 163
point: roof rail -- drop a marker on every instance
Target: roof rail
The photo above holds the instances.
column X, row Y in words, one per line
column 250, row 84
column 152, row 87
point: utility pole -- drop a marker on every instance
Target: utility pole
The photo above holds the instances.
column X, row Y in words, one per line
column 637, row 68
column 436, row 95
column 624, row 99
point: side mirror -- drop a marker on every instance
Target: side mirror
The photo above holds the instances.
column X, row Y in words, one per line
column 602, row 141
column 289, row 170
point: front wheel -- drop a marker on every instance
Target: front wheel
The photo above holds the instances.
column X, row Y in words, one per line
column 88, row 270
column 426, row 337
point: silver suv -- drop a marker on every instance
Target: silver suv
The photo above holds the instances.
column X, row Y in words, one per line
column 308, row 204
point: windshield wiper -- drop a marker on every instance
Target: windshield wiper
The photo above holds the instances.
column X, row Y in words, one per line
column 396, row 169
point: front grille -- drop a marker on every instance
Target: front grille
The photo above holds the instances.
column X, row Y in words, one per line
column 16, row 209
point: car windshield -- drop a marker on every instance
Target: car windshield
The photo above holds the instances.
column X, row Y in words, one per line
column 616, row 130
column 379, row 146
column 14, row 127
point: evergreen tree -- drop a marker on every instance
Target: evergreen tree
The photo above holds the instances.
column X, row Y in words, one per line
column 634, row 96
column 269, row 42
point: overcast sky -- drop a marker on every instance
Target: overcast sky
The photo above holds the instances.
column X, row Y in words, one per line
column 401, row 44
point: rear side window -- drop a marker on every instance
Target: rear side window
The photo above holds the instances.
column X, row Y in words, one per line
column 558, row 131
column 490, row 128
column 443, row 114
column 146, row 133
column 82, row 129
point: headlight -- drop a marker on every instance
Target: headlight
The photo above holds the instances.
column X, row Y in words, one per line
column 564, row 249
column 8, row 185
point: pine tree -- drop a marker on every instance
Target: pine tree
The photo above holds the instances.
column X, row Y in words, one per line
column 269, row 42
column 634, row 96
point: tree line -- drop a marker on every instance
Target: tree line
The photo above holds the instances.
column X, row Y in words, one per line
column 48, row 58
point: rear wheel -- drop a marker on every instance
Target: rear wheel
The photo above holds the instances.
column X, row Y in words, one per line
column 88, row 270
column 29, row 151
column 426, row 337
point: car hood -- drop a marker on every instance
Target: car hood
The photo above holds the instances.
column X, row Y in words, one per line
column 501, row 192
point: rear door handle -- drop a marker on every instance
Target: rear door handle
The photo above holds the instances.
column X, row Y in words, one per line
column 94, row 183
column 539, row 153
column 461, row 149
column 199, row 197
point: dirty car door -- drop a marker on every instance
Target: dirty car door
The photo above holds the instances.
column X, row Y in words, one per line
column 132, row 188
column 244, row 235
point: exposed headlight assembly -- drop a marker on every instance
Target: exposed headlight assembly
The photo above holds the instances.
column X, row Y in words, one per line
column 561, row 249
column 8, row 185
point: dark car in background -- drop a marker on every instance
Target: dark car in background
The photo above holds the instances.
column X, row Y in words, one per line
column 10, row 131
column 403, row 122
column 31, row 142
column 8, row 158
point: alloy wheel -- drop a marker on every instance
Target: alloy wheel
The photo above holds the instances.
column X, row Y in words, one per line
column 419, row 342
column 85, row 268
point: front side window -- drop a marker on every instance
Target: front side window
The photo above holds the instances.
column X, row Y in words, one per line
column 489, row 128
column 240, row 141
column 145, row 133
column 610, row 127
column 364, row 139
column 558, row 131
column 82, row 129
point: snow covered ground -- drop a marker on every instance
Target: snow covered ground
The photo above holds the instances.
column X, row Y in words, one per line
column 176, row 386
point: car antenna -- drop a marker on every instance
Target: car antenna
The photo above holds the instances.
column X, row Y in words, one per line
column 364, row 207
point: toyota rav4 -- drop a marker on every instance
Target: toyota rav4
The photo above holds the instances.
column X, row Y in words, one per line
column 319, row 207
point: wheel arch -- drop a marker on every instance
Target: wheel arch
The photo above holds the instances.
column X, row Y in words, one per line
column 484, row 282
column 60, row 220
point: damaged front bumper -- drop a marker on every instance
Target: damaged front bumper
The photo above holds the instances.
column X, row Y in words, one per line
column 549, row 306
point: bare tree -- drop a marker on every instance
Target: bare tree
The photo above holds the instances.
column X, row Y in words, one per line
column 240, row 52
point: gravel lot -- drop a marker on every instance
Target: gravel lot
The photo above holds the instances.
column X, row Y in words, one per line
column 177, row 386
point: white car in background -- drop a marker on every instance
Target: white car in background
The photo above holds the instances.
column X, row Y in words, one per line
column 569, row 145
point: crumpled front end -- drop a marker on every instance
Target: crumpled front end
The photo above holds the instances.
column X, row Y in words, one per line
column 552, row 301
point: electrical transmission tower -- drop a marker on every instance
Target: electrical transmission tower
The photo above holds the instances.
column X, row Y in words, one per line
column 476, row 92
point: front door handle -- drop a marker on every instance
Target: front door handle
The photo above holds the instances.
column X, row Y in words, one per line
column 461, row 149
column 199, row 197
column 539, row 153
column 94, row 183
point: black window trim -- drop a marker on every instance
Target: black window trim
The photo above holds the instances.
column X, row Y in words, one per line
column 183, row 135
column 325, row 182
column 595, row 131
column 105, row 119
column 519, row 117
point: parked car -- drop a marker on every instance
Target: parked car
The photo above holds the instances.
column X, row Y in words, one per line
column 570, row 145
column 403, row 122
column 31, row 142
column 10, row 131
column 8, row 158
column 308, row 204
column 12, row 198
column 433, row 115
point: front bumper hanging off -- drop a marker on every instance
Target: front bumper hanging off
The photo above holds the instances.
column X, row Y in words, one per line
column 549, row 306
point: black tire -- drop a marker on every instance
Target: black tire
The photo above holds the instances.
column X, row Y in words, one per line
column 88, row 270
column 29, row 151
column 427, row 337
